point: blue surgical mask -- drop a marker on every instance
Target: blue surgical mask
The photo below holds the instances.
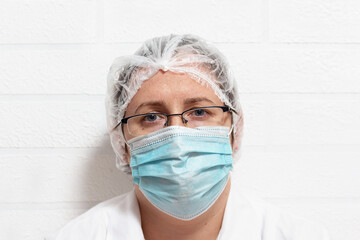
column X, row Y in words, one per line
column 182, row 171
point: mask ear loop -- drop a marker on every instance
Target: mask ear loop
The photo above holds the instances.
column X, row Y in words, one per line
column 127, row 144
column 231, row 129
column 125, row 140
column 232, row 122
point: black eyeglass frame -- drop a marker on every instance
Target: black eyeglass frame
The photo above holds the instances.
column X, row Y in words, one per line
column 224, row 108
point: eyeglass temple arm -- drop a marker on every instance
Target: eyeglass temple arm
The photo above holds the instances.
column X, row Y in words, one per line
column 229, row 109
column 116, row 126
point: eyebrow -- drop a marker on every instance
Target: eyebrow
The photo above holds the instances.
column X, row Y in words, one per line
column 150, row 103
column 187, row 101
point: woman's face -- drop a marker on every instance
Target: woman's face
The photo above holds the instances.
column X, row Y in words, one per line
column 171, row 93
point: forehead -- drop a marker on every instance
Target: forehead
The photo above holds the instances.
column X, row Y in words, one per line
column 172, row 88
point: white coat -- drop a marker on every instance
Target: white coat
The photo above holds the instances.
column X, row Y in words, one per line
column 245, row 218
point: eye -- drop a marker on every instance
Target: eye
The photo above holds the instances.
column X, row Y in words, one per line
column 151, row 117
column 199, row 112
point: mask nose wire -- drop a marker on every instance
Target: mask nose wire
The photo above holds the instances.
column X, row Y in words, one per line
column 127, row 143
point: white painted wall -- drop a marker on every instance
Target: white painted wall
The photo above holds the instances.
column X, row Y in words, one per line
column 297, row 63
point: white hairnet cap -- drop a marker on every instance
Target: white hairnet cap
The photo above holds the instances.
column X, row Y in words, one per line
column 187, row 54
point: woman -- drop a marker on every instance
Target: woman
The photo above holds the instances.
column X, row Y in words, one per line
column 175, row 124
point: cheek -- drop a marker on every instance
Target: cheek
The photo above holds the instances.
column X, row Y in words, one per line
column 125, row 132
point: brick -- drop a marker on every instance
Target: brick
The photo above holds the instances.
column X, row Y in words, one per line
column 297, row 69
column 314, row 119
column 255, row 130
column 137, row 21
column 52, row 122
column 57, row 70
column 314, row 21
column 47, row 22
column 286, row 173
column 301, row 119
column 61, row 176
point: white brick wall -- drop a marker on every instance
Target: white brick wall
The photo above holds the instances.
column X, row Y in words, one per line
column 297, row 67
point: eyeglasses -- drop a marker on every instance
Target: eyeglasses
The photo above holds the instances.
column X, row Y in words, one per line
column 142, row 124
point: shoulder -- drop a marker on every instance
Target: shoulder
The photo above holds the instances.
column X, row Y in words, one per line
column 95, row 223
column 268, row 222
